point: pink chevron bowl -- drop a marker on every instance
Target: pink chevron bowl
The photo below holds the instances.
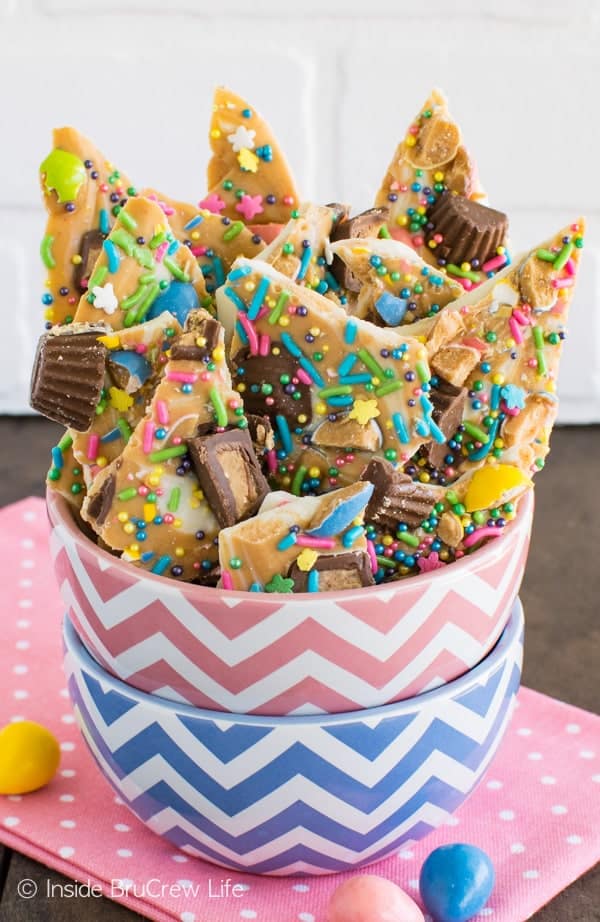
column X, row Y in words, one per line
column 251, row 653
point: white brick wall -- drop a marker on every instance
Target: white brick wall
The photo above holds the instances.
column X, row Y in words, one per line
column 339, row 81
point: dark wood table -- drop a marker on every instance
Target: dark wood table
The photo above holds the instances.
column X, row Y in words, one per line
column 561, row 596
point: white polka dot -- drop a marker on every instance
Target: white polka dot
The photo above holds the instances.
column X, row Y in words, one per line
column 67, row 747
column 23, row 624
column 188, row 917
column 68, row 772
column 559, row 810
column 68, row 824
column 26, row 583
column 413, row 884
column 121, row 827
column 494, row 785
column 27, row 543
column 301, row 888
column 531, row 875
column 180, row 859
column 548, row 779
column 64, row 693
column 406, row 854
column 524, row 731
column 68, row 719
column 486, row 911
column 185, row 884
column 20, row 669
column 11, row 821
column 596, row 779
column 29, row 516
column 573, row 728
column 306, row 917
column 17, row 719
column 587, row 754
column 22, row 645
column 243, row 886
column 119, row 801
column 20, row 694
column 66, row 851
column 574, row 840
column 517, row 848
column 535, row 756
column 125, row 883
column 124, row 853
column 247, row 914
column 507, row 815
column 25, row 603
column 28, row 564
column 451, row 821
column 66, row 798
column 14, row 798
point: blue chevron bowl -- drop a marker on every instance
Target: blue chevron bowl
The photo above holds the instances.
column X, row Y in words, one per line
column 300, row 794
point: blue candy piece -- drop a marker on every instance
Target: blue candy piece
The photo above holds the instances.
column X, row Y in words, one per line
column 341, row 516
column 391, row 309
column 134, row 364
column 456, row 882
column 179, row 298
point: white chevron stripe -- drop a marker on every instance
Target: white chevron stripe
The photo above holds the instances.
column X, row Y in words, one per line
column 339, row 622
column 278, row 741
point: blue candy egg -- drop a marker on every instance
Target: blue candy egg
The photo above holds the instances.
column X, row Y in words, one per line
column 341, row 515
column 134, row 364
column 179, row 298
column 456, row 882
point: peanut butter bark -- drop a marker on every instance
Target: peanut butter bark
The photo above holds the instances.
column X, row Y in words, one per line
column 82, row 192
column 148, row 504
column 248, row 176
column 142, row 270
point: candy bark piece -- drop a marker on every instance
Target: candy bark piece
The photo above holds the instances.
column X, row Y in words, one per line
column 366, row 224
column 511, row 331
column 258, row 553
column 148, row 503
column 65, row 476
column 140, row 261
column 215, row 240
column 68, row 374
column 301, row 250
column 248, row 176
column 350, row 368
column 80, row 189
column 397, row 286
column 123, row 401
column 428, row 161
column 229, row 474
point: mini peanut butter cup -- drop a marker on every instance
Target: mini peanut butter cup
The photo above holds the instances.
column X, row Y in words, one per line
column 469, row 230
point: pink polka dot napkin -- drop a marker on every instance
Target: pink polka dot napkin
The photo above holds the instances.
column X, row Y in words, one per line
column 537, row 812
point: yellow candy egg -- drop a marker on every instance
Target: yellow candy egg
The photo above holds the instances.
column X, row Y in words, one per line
column 29, row 757
column 489, row 485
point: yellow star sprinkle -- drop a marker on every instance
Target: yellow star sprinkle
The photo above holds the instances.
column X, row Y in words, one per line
column 119, row 400
column 306, row 559
column 363, row 411
column 248, row 160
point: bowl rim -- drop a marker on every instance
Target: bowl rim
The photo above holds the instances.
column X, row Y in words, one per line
column 59, row 508
column 509, row 638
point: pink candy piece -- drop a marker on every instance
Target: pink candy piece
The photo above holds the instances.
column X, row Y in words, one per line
column 368, row 898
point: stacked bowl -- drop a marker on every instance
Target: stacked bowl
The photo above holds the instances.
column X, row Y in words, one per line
column 292, row 734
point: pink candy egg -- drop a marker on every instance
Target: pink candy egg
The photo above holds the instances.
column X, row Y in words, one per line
column 368, row 898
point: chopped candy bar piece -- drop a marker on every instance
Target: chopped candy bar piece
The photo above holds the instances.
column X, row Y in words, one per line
column 333, row 572
column 365, row 224
column 397, row 498
column 448, row 406
column 141, row 271
column 159, row 517
column 229, row 474
column 82, row 192
column 257, row 554
column 68, row 374
column 396, row 285
column 248, row 177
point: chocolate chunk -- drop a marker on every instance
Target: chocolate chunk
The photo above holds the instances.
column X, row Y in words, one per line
column 207, row 340
column 396, row 498
column 261, row 432
column 100, row 503
column 68, row 375
column 365, row 224
column 266, row 392
column 339, row 212
column 229, row 474
column 350, row 570
column 469, row 230
column 89, row 250
column 448, row 407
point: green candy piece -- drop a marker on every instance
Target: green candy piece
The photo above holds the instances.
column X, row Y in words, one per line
column 65, row 173
column 280, row 584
